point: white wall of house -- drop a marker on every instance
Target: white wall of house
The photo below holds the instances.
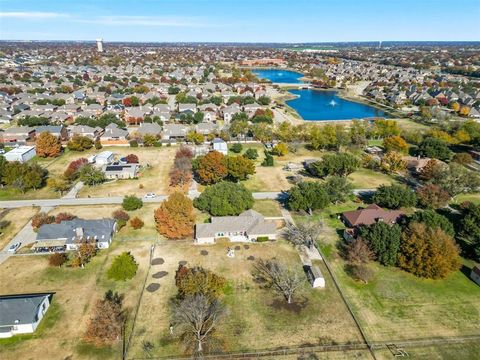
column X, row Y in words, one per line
column 28, row 328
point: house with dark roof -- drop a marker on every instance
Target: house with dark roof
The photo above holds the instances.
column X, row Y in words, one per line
column 21, row 314
column 370, row 215
column 70, row 233
column 246, row 227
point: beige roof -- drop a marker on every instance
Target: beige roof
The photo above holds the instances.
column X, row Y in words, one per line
column 250, row 221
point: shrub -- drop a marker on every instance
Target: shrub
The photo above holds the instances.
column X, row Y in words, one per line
column 64, row 216
column 136, row 223
column 251, row 154
column 57, row 259
column 361, row 272
column 133, row 143
column 120, row 224
column 41, row 219
column 262, row 239
column 280, row 149
column 131, row 203
column 123, row 267
column 268, row 161
column 131, row 159
column 120, row 215
column 157, row 144
column 236, row 148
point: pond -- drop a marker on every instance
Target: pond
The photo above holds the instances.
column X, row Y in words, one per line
column 279, row 76
column 327, row 105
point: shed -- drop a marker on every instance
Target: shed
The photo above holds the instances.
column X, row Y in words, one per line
column 315, row 276
column 475, row 274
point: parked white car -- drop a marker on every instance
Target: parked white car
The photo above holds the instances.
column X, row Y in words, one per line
column 14, row 247
column 150, row 196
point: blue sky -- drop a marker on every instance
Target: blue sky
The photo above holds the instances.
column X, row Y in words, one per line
column 240, row 20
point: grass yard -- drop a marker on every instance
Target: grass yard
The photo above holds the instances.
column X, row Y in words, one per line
column 398, row 305
column 75, row 292
column 18, row 218
column 8, row 193
column 369, row 179
column 410, row 125
column 267, row 207
column 474, row 198
column 257, row 318
column 153, row 178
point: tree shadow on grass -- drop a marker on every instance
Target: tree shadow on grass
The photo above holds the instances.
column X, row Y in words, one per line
column 296, row 306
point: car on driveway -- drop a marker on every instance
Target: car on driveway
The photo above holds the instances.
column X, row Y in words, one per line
column 14, row 247
column 150, row 196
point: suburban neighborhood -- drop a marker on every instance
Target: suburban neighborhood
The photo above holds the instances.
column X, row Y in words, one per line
column 230, row 200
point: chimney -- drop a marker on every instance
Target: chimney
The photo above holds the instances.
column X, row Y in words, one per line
column 79, row 232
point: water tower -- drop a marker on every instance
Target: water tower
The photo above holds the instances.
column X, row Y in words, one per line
column 100, row 45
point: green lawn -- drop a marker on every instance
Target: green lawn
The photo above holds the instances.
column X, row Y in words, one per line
column 267, row 207
column 474, row 198
column 369, row 179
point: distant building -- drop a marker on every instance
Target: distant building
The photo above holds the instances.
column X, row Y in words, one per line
column 21, row 154
column 21, row 314
column 100, row 45
column 220, row 146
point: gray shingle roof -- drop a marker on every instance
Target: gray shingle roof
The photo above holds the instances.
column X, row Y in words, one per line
column 20, row 309
column 250, row 221
column 101, row 228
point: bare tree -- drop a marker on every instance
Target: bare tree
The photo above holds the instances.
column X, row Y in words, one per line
column 195, row 319
column 358, row 252
column 278, row 276
column 304, row 234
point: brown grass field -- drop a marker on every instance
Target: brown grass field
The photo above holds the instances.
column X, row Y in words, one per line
column 76, row 290
column 318, row 316
column 18, row 218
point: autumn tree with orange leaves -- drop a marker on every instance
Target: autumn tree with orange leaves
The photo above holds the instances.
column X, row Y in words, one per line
column 48, row 145
column 211, row 168
column 175, row 217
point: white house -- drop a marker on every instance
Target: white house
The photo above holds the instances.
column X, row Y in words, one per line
column 249, row 226
column 21, row 154
column 69, row 233
column 475, row 274
column 220, row 146
column 21, row 314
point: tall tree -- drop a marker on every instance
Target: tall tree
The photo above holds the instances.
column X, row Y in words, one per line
column 225, row 198
column 211, row 168
column 394, row 196
column 428, row 252
column 175, row 217
column 384, row 240
column 195, row 320
column 308, row 196
column 47, row 145
column 277, row 276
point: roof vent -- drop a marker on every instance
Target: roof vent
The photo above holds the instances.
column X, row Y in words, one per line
column 17, row 321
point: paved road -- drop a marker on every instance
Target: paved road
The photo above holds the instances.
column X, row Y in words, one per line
column 108, row 200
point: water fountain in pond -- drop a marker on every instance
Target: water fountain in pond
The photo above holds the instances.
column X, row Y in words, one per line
column 332, row 103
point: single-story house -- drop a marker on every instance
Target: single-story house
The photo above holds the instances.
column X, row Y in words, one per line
column 246, row 227
column 21, row 154
column 18, row 135
column 58, row 131
column 370, row 215
column 68, row 234
column 475, row 274
column 174, row 131
column 220, row 146
column 21, row 314
column 113, row 135
column 84, row 130
column 150, row 128
column 121, row 171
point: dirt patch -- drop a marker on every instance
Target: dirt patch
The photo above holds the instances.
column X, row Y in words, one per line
column 251, row 258
column 295, row 307
column 158, row 261
column 153, row 287
column 182, row 262
column 246, row 247
column 238, row 247
column 160, row 274
column 204, row 252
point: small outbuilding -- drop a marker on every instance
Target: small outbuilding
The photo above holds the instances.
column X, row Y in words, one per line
column 475, row 274
column 21, row 154
column 315, row 276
